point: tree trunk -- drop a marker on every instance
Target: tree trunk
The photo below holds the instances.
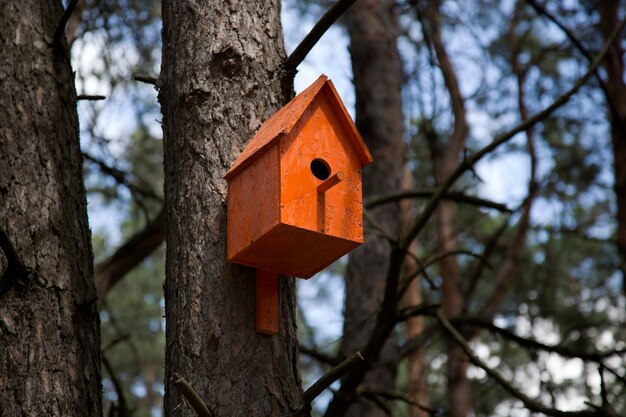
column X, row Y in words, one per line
column 49, row 329
column 459, row 395
column 373, row 29
column 414, row 327
column 221, row 77
column 614, row 66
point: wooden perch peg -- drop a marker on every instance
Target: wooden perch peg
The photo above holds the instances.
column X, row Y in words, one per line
column 266, row 302
column 330, row 182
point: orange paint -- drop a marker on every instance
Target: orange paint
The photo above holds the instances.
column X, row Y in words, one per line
column 266, row 302
column 294, row 196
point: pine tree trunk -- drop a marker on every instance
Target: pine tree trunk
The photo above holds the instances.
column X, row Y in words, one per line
column 458, row 386
column 414, row 327
column 49, row 329
column 614, row 66
column 221, row 78
column 373, row 30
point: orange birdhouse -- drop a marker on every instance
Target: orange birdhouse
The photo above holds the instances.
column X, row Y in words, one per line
column 294, row 193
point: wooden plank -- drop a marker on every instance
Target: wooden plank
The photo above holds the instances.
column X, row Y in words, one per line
column 266, row 302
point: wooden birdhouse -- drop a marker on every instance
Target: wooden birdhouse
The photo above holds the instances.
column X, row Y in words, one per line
column 294, row 193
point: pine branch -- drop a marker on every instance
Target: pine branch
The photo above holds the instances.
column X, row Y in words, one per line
column 56, row 38
column 309, row 41
column 333, row 375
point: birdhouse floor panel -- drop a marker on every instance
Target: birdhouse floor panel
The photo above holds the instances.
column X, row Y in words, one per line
column 294, row 251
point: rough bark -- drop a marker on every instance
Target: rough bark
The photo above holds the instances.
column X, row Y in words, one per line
column 373, row 30
column 220, row 79
column 614, row 65
column 49, row 334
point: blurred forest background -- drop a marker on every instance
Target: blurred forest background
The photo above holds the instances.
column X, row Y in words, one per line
column 526, row 254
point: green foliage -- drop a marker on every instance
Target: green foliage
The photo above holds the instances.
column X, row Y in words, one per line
column 133, row 337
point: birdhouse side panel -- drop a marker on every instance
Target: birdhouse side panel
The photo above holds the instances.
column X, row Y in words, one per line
column 316, row 151
column 253, row 202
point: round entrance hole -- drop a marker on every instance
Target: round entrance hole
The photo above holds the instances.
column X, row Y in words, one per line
column 320, row 169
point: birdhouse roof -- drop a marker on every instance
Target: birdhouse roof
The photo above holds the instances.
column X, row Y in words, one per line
column 281, row 123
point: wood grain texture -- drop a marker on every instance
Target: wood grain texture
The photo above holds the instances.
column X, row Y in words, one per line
column 253, row 202
column 290, row 248
column 220, row 80
column 49, row 334
column 284, row 120
column 318, row 219
column 267, row 319
column 320, row 135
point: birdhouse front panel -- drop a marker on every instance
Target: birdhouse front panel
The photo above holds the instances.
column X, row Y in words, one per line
column 321, row 176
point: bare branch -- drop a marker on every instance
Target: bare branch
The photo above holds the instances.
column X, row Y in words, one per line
column 115, row 341
column 428, row 335
column 420, row 310
column 424, row 267
column 122, row 408
column 309, row 41
column 468, row 163
column 58, row 33
column 490, row 246
column 145, row 79
column 121, row 177
column 191, row 395
column 397, row 397
column 333, row 375
column 534, row 344
column 136, row 249
column 529, row 403
column 428, row 193
column 89, row 97
column 320, row 356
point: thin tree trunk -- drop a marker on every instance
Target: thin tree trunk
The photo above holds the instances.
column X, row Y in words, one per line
column 417, row 392
column 373, row 30
column 614, row 66
column 221, row 77
column 49, row 329
column 459, row 394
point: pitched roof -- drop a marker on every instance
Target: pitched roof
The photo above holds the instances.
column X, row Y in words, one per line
column 281, row 123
